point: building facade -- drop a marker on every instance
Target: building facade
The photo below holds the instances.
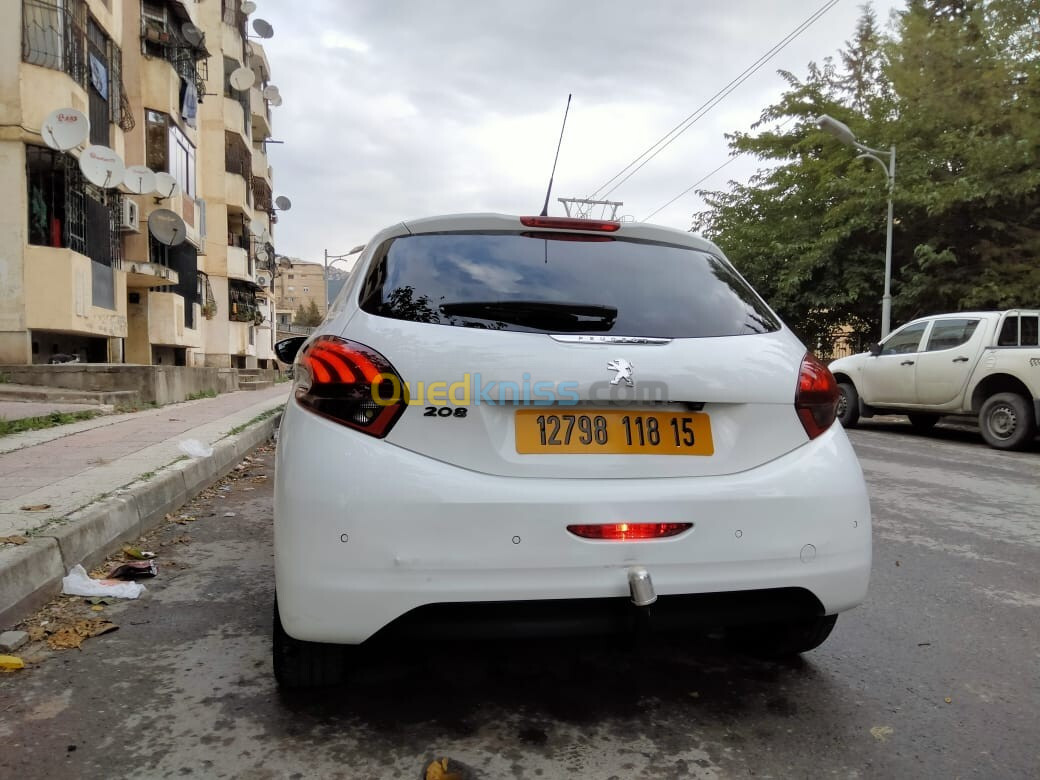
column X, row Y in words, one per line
column 81, row 275
column 298, row 283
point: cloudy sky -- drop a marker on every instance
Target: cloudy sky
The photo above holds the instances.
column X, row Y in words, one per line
column 397, row 109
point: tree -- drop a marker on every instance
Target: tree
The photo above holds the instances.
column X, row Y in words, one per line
column 308, row 315
column 955, row 88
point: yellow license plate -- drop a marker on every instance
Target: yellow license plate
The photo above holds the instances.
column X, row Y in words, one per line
column 612, row 432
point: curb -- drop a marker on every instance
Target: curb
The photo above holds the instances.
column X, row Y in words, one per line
column 30, row 574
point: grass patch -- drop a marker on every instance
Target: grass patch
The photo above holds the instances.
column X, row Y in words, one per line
column 201, row 394
column 52, row 420
column 5, row 379
column 259, row 418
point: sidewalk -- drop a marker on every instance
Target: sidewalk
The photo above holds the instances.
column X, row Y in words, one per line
column 77, row 491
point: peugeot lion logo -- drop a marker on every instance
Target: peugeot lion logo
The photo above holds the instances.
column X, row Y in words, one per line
column 624, row 371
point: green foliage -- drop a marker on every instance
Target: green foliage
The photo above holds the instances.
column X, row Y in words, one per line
column 51, row 420
column 201, row 394
column 955, row 86
column 309, row 315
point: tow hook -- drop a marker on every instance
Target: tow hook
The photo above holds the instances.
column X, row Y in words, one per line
column 640, row 587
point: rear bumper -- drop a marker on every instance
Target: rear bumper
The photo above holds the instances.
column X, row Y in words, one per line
column 366, row 532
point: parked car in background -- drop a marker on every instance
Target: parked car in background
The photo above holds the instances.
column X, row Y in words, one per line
column 984, row 364
column 537, row 425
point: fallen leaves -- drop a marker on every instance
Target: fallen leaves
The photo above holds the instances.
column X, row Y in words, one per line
column 72, row 636
column 35, row 507
column 14, row 540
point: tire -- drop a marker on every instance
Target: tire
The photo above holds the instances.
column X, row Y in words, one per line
column 1006, row 421
column 299, row 664
column 848, row 405
column 780, row 640
column 923, row 422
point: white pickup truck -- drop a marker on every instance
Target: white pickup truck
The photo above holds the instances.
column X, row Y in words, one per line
column 971, row 363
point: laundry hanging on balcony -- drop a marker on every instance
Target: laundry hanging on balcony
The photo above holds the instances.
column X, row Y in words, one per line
column 99, row 76
column 189, row 102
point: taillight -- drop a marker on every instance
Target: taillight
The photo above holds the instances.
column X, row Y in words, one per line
column 569, row 223
column 351, row 384
column 624, row 532
column 817, row 397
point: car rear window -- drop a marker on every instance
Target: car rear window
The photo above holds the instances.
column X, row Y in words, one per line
column 563, row 283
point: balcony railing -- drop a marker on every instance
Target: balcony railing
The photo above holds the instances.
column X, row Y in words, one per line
column 237, row 157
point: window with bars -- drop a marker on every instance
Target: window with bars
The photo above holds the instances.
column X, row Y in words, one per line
column 67, row 211
column 53, row 36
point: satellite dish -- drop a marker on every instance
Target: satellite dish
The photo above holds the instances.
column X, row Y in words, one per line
column 66, row 128
column 192, row 34
column 276, row 101
column 271, row 92
column 102, row 166
column 282, row 203
column 263, row 28
column 242, row 78
column 139, row 179
column 165, row 185
column 262, row 256
column 167, row 227
column 248, row 7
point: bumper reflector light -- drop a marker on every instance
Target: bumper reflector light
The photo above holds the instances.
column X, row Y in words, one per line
column 625, row 532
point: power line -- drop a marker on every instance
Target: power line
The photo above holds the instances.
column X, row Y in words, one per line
column 707, row 176
column 697, row 183
column 717, row 98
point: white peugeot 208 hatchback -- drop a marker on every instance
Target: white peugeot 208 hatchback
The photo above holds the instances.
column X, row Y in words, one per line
column 509, row 425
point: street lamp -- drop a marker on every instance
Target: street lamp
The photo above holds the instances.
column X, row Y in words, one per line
column 842, row 132
column 331, row 259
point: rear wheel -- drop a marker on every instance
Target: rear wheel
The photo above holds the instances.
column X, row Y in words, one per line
column 1006, row 421
column 299, row 664
column 776, row 640
column 848, row 404
column 923, row 422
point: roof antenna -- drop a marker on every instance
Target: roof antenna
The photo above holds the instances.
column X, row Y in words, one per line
column 548, row 192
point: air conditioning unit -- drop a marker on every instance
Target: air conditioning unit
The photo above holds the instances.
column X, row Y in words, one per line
column 262, row 280
column 130, row 218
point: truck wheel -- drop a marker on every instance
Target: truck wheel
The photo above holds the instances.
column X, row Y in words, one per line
column 923, row 422
column 299, row 664
column 848, row 404
column 1006, row 421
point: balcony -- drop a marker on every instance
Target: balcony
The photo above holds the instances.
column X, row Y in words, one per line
column 60, row 290
column 261, row 114
column 166, row 321
column 144, row 275
column 238, row 265
column 261, row 168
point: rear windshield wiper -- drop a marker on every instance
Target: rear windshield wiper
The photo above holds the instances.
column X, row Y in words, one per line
column 547, row 315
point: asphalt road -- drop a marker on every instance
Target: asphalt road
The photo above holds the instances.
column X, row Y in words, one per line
column 937, row 675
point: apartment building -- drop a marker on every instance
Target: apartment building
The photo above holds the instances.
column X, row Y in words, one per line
column 298, row 283
column 81, row 274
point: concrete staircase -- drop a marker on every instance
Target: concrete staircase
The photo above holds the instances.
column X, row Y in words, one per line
column 254, row 379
